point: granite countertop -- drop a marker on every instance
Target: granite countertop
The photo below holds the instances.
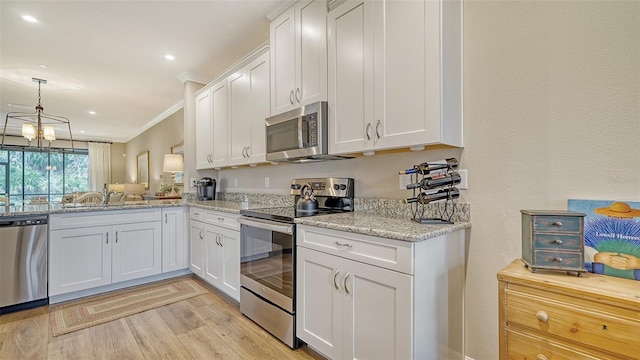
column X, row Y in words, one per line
column 45, row 209
column 367, row 223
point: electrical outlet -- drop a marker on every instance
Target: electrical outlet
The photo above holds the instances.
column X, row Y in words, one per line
column 405, row 179
column 266, row 181
column 193, row 182
column 464, row 180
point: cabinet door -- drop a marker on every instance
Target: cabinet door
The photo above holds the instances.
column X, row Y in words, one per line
column 319, row 301
column 219, row 137
column 174, row 240
column 203, row 130
column 79, row 259
column 229, row 242
column 350, row 77
column 377, row 313
column 212, row 256
column 239, row 125
column 283, row 71
column 311, row 51
column 196, row 247
column 258, row 82
column 137, row 250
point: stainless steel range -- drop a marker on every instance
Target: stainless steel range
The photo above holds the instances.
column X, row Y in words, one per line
column 268, row 254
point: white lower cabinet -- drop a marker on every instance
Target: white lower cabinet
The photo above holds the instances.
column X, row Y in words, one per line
column 364, row 312
column 99, row 248
column 215, row 250
column 364, row 297
column 175, row 242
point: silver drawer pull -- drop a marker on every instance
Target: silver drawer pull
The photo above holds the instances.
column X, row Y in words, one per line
column 557, row 259
column 541, row 357
column 557, row 241
column 542, row 316
column 343, row 244
column 557, row 223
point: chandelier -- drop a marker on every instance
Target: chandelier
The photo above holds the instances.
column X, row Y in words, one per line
column 38, row 127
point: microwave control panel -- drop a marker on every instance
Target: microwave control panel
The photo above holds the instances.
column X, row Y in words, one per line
column 310, row 128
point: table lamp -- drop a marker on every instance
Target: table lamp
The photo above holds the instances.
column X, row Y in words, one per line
column 172, row 163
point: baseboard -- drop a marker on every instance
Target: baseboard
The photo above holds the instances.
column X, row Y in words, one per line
column 117, row 286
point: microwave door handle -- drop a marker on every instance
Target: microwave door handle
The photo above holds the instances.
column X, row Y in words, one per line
column 300, row 142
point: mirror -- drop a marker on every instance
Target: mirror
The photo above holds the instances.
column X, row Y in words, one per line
column 143, row 169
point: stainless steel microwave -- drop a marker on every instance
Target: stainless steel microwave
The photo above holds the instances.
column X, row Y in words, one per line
column 299, row 135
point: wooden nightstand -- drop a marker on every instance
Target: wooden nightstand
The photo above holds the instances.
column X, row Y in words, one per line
column 553, row 240
column 548, row 315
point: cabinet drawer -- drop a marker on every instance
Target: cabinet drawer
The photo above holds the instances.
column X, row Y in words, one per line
column 582, row 324
column 558, row 259
column 550, row 223
column 557, row 241
column 218, row 218
column 386, row 253
column 197, row 214
column 526, row 346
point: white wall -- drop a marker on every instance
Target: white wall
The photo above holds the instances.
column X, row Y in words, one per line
column 552, row 112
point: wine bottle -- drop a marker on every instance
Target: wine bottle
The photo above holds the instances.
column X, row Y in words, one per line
column 442, row 194
column 427, row 168
column 436, row 181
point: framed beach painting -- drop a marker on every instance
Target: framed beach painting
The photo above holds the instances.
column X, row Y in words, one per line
column 143, row 169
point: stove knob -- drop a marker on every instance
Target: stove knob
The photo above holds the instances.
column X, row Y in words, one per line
column 295, row 186
column 343, row 187
column 336, row 187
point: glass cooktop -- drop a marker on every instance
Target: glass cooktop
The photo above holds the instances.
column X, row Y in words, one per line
column 285, row 213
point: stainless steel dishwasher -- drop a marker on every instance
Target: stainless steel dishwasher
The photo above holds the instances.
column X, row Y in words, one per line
column 23, row 262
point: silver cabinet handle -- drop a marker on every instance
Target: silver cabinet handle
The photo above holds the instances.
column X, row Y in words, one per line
column 557, row 223
column 244, row 152
column 378, row 128
column 196, row 214
column 291, row 97
column 558, row 259
column 557, row 241
column 335, row 275
column 220, row 241
column 366, row 131
column 345, row 283
column 343, row 244
column 201, row 237
column 220, row 219
column 217, row 238
column 116, row 237
column 248, row 148
column 165, row 218
column 298, row 93
column 542, row 316
column 107, row 238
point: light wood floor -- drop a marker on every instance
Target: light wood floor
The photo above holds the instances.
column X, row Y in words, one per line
column 208, row 326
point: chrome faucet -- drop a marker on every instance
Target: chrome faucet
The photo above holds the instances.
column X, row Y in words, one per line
column 105, row 195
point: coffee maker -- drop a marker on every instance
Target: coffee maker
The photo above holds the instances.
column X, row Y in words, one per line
column 206, row 188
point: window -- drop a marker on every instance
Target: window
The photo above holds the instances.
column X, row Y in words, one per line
column 47, row 175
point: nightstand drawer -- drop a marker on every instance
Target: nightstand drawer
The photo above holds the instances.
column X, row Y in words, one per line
column 581, row 324
column 558, row 259
column 544, row 223
column 557, row 242
column 527, row 346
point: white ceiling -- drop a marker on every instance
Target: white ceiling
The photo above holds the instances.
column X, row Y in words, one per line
column 107, row 56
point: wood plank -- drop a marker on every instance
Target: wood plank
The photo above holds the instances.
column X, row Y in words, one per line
column 114, row 340
column 155, row 338
column 73, row 346
column 26, row 339
column 203, row 343
column 180, row 317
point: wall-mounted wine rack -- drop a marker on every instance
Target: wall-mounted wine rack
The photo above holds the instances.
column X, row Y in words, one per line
column 434, row 182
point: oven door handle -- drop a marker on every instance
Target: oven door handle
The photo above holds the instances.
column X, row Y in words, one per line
column 267, row 225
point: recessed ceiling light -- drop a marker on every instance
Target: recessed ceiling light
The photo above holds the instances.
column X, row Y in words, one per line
column 169, row 57
column 81, row 131
column 30, row 18
column 91, row 112
column 43, row 66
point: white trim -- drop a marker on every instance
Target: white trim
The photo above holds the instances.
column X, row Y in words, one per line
column 170, row 111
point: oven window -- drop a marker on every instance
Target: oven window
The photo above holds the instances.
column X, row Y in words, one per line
column 282, row 136
column 266, row 257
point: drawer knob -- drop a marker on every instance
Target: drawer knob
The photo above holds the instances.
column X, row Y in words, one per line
column 542, row 316
column 557, row 223
column 557, row 259
column 557, row 241
column 541, row 357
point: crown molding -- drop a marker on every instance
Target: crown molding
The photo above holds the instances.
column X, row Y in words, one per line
column 279, row 9
column 165, row 114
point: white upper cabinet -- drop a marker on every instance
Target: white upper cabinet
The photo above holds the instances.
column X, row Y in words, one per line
column 248, row 107
column 299, row 56
column 211, row 127
column 394, row 75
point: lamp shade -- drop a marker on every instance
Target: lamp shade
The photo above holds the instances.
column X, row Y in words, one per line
column 172, row 163
column 28, row 131
column 49, row 133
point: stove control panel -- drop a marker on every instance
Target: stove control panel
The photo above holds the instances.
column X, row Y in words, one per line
column 333, row 187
